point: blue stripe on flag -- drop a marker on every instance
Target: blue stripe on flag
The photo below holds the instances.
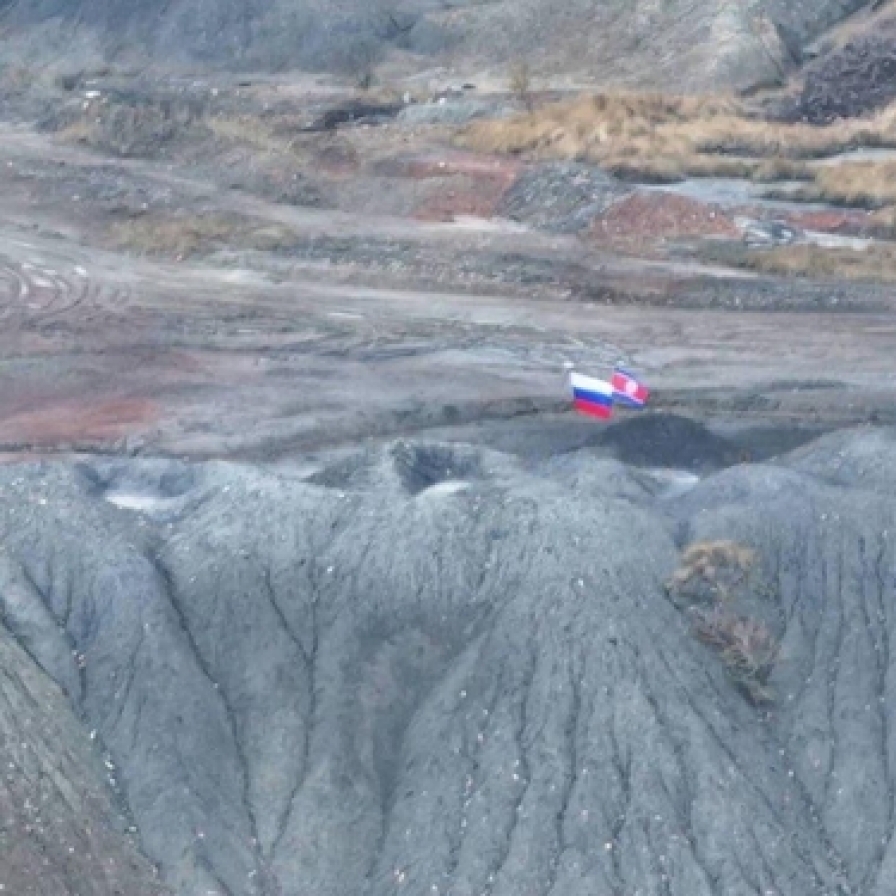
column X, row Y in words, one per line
column 593, row 397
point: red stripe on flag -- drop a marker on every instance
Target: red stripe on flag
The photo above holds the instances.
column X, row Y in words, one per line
column 601, row 411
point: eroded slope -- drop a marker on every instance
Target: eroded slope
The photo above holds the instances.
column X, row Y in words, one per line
column 425, row 668
column 61, row 831
column 688, row 43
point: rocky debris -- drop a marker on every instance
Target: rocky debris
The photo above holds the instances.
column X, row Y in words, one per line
column 562, row 197
column 851, row 81
column 512, row 701
column 62, row 831
column 768, row 233
column 476, row 269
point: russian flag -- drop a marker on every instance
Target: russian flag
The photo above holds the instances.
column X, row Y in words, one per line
column 591, row 396
column 627, row 390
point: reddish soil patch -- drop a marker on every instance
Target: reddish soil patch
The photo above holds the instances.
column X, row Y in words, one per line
column 71, row 421
column 451, row 164
column 833, row 221
column 478, row 197
column 659, row 216
column 461, row 183
column 338, row 160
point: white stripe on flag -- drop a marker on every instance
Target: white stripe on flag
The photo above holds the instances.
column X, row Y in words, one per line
column 590, row 384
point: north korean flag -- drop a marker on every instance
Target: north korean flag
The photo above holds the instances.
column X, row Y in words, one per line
column 627, row 390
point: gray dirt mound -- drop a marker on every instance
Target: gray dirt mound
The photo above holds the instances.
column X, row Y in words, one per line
column 389, row 686
column 563, row 197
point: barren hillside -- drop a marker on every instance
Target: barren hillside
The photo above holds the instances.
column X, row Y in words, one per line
column 513, row 701
column 690, row 43
column 62, row 828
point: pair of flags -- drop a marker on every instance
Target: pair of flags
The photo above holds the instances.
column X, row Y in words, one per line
column 598, row 397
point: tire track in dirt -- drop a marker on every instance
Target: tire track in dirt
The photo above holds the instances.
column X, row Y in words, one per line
column 29, row 291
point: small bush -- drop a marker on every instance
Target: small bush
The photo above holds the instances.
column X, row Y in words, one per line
column 711, row 574
column 746, row 646
column 520, row 83
column 712, row 571
column 874, row 263
column 129, row 126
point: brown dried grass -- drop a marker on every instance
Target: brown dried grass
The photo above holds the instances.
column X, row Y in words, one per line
column 183, row 236
column 875, row 263
column 674, row 136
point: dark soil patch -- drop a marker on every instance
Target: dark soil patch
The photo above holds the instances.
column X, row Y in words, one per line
column 672, row 440
column 852, row 81
column 668, row 440
column 353, row 112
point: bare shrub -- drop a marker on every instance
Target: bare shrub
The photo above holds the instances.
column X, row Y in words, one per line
column 747, row 647
column 357, row 57
column 712, row 571
column 130, row 126
column 520, row 83
column 710, row 576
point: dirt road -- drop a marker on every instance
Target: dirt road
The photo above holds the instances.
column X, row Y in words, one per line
column 103, row 351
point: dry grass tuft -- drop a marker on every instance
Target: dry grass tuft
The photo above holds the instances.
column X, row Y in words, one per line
column 882, row 223
column 255, row 132
column 770, row 170
column 668, row 137
column 877, row 262
column 183, row 236
column 869, row 185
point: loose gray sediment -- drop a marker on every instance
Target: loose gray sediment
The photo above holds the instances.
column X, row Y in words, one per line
column 429, row 668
